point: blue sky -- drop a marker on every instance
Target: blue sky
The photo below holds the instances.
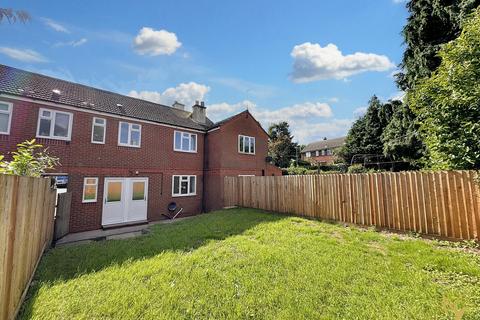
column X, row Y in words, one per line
column 312, row 63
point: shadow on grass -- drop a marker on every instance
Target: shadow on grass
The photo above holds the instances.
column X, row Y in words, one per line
column 68, row 262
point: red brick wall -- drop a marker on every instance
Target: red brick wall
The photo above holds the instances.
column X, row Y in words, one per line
column 223, row 158
column 80, row 158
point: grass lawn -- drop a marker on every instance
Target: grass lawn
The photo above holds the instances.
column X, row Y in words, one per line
column 244, row 263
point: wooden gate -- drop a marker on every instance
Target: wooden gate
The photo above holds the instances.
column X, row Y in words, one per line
column 62, row 216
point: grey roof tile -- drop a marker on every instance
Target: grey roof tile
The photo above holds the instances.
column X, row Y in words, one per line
column 33, row 85
column 324, row 144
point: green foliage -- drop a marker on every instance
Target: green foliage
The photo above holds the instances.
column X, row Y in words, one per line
column 28, row 160
column 357, row 168
column 281, row 147
column 13, row 16
column 431, row 23
column 365, row 134
column 297, row 171
column 448, row 103
column 250, row 264
column 401, row 140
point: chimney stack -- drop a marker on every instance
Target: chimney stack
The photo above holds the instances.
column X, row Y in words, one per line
column 178, row 105
column 199, row 113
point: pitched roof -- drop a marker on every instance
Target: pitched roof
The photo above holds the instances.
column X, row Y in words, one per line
column 36, row 86
column 226, row 120
column 324, row 144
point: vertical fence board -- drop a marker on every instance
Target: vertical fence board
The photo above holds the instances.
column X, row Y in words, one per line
column 445, row 204
column 26, row 228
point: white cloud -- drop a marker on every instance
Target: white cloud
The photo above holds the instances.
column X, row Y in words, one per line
column 186, row 93
column 360, row 111
column 72, row 43
column 55, row 25
column 155, row 42
column 308, row 121
column 313, row 62
column 400, row 95
column 399, row 1
column 25, row 55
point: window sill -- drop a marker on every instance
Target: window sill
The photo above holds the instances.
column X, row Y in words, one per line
column 54, row 138
column 247, row 154
column 184, row 195
column 183, row 151
column 128, row 146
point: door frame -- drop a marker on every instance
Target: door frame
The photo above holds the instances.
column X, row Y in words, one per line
column 126, row 198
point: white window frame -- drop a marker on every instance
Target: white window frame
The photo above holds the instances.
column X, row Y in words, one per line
column 180, row 186
column 104, row 125
column 52, row 124
column 308, row 154
column 189, row 134
column 10, row 113
column 317, row 153
column 96, row 189
column 128, row 144
column 240, row 136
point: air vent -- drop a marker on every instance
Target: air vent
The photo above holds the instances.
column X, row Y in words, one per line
column 121, row 108
column 56, row 94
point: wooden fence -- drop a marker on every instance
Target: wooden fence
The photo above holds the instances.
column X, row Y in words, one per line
column 26, row 228
column 444, row 204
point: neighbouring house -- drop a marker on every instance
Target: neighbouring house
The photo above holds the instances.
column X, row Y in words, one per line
column 126, row 159
column 322, row 152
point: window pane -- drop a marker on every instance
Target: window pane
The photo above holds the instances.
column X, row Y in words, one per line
column 135, row 138
column 44, row 129
column 114, row 192
column 138, row 191
column 61, row 125
column 192, row 184
column 247, row 144
column 46, row 114
column 176, row 185
column 186, row 142
column 98, row 133
column 135, row 127
column 3, row 122
column 241, row 144
column 252, row 145
column 99, row 121
column 3, row 107
column 90, row 192
column 178, row 140
column 124, row 133
column 90, row 181
column 184, row 187
column 193, row 143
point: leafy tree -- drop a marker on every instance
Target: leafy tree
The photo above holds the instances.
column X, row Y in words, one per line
column 448, row 103
column 281, row 147
column 28, row 160
column 401, row 140
column 13, row 16
column 365, row 134
column 431, row 24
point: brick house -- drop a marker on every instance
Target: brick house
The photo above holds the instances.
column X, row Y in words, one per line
column 126, row 159
column 322, row 152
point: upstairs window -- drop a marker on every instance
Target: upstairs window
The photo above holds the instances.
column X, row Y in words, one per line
column 246, row 144
column 185, row 142
column 54, row 124
column 308, row 154
column 99, row 126
column 317, row 153
column 184, row 186
column 5, row 117
column 129, row 134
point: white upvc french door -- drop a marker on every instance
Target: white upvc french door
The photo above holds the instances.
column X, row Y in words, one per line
column 124, row 200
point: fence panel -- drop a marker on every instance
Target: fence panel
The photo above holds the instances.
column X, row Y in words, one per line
column 62, row 216
column 26, row 229
column 444, row 204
